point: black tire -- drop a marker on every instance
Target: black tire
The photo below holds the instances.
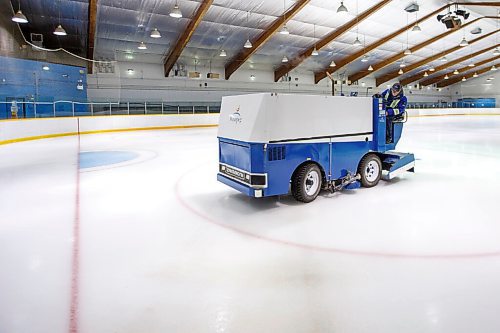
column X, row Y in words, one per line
column 368, row 170
column 301, row 183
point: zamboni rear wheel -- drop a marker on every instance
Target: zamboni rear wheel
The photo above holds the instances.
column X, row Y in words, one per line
column 306, row 183
column 370, row 169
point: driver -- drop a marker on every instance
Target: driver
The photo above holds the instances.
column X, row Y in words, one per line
column 395, row 106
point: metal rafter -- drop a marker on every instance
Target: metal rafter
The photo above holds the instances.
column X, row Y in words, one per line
column 386, row 62
column 439, row 68
column 439, row 78
column 92, row 19
column 186, row 36
column 318, row 76
column 293, row 63
column 457, row 79
column 394, row 74
column 260, row 40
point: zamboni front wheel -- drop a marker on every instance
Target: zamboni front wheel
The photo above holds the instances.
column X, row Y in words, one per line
column 370, row 169
column 306, row 183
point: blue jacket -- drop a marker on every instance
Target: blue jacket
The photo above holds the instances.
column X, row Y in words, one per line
column 394, row 105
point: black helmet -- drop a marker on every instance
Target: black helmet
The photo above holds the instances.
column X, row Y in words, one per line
column 396, row 87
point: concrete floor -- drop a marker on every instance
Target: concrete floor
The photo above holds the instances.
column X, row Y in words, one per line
column 142, row 238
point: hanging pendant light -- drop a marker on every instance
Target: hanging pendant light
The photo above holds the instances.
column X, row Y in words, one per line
column 19, row 17
column 155, row 33
column 416, row 28
column 176, row 12
column 496, row 52
column 456, row 72
column 370, row 68
column 402, row 65
column 222, row 53
column 444, row 59
column 472, row 64
column 314, row 52
column 464, row 42
column 284, row 60
column 426, row 74
column 248, row 44
column 400, row 71
column 333, row 64
column 494, row 68
column 475, row 75
column 364, row 59
column 60, row 31
column 142, row 46
column 407, row 52
column 446, row 77
column 284, row 30
column 432, row 69
column 357, row 42
column 464, row 79
column 342, row 8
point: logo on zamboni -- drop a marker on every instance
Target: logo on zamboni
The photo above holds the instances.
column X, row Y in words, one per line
column 236, row 117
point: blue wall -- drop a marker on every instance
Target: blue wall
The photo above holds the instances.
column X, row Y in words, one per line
column 26, row 80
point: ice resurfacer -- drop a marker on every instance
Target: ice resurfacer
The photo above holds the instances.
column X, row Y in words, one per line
column 270, row 144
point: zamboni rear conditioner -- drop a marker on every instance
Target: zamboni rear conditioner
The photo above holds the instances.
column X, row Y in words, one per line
column 271, row 144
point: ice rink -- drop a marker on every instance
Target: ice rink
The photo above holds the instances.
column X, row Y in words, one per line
column 131, row 232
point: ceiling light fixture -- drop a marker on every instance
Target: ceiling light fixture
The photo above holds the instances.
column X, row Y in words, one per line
column 60, row 31
column 284, row 30
column 475, row 75
column 456, row 72
column 400, row 71
column 426, row 74
column 285, row 59
column 364, row 59
column 370, row 68
column 444, row 59
column 142, row 46
column 333, row 64
column 19, row 17
column 248, row 43
column 155, row 33
column 446, row 77
column 314, row 51
column 494, row 68
column 432, row 69
column 496, row 52
column 407, row 52
column 464, row 79
column 472, row 64
column 357, row 42
column 416, row 28
column 342, row 8
column 45, row 67
column 402, row 65
column 176, row 12
column 464, row 42
column 222, row 53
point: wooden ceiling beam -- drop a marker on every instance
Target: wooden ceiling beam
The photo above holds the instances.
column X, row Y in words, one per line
column 185, row 37
column 386, row 62
column 458, row 78
column 394, row 74
column 91, row 29
column 318, row 76
column 428, row 82
column 296, row 61
column 447, row 64
column 260, row 40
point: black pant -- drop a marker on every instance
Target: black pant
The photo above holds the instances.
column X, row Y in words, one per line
column 389, row 129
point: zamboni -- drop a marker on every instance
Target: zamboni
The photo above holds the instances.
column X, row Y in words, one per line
column 271, row 143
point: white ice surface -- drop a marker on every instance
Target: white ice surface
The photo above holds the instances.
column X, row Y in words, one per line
column 165, row 248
